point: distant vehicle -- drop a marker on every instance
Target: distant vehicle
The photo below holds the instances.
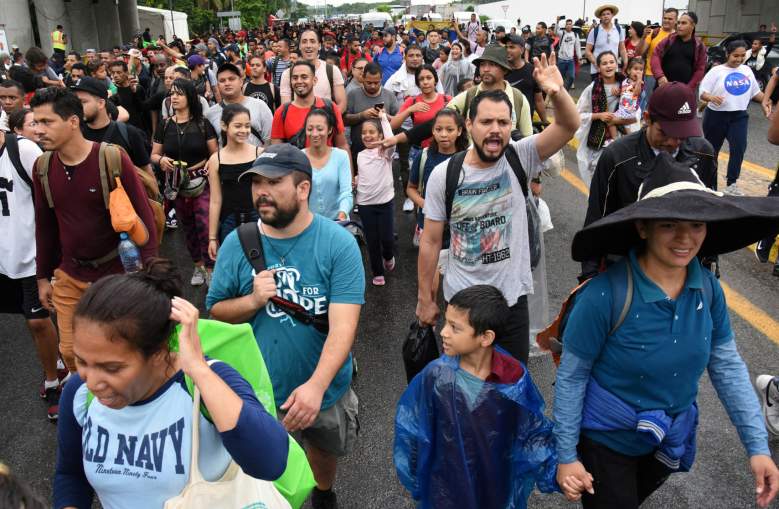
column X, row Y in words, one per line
column 718, row 56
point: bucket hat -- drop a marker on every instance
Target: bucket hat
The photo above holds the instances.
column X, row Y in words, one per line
column 673, row 191
column 495, row 54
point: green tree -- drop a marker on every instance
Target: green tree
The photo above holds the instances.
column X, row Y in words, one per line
column 383, row 8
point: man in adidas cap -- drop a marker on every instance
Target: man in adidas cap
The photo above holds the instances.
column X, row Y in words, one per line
column 670, row 125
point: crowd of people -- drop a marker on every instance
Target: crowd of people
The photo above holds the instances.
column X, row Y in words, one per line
column 275, row 150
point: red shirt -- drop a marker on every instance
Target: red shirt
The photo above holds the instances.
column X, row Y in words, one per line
column 347, row 60
column 79, row 225
column 421, row 117
column 505, row 369
column 296, row 118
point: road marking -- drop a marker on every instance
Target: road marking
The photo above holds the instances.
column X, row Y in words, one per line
column 752, row 314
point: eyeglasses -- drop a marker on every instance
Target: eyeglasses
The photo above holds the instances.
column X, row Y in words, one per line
column 362, row 68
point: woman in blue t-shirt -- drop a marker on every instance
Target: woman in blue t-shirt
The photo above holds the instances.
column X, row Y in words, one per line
column 331, row 186
column 125, row 426
column 640, row 336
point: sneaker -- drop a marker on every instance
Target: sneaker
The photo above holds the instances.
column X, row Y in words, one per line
column 53, row 400
column 768, row 387
column 323, row 499
column 762, row 250
column 378, row 281
column 171, row 223
column 62, row 371
column 408, row 206
column 198, row 278
column 733, row 190
column 389, row 265
column 42, row 390
column 417, row 234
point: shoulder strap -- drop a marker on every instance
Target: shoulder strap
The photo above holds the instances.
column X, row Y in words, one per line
column 519, row 103
column 12, row 145
column 422, row 162
column 42, row 168
column 453, row 170
column 469, row 95
column 251, row 243
column 110, row 165
column 516, row 165
column 621, row 282
column 595, row 35
column 122, row 128
column 329, row 72
column 284, row 111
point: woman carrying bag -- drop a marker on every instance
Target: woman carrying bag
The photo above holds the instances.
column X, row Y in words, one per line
column 182, row 146
column 126, row 419
column 640, row 336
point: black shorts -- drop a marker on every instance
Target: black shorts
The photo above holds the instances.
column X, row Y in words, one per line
column 20, row 297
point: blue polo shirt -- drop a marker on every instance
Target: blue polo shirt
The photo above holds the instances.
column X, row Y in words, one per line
column 322, row 266
column 655, row 359
column 389, row 62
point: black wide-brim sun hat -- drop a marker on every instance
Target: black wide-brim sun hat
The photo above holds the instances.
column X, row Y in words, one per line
column 674, row 192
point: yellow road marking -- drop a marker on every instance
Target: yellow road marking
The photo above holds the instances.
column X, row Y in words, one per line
column 753, row 315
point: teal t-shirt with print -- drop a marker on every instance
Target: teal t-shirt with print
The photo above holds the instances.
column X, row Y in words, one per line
column 322, row 266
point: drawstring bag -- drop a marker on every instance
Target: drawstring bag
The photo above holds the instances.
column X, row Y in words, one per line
column 234, row 490
column 419, row 349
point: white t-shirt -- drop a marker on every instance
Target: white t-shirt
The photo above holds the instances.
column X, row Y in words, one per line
column 608, row 40
column 17, row 214
column 489, row 242
column 321, row 87
column 259, row 114
column 737, row 85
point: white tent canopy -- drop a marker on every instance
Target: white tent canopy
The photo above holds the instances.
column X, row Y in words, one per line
column 164, row 22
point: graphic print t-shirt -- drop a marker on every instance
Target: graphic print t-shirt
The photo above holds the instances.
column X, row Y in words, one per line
column 489, row 243
column 737, row 85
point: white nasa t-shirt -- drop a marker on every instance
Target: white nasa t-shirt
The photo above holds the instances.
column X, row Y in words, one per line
column 737, row 85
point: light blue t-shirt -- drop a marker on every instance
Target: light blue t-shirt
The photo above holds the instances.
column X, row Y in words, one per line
column 322, row 266
column 331, row 186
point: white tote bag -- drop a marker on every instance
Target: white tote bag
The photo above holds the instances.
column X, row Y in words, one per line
column 235, row 490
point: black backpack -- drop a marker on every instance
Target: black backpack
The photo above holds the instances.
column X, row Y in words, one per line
column 299, row 138
column 453, row 172
column 12, row 146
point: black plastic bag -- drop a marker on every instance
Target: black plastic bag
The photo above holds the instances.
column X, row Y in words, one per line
column 419, row 349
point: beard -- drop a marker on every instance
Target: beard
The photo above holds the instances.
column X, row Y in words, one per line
column 276, row 217
column 488, row 158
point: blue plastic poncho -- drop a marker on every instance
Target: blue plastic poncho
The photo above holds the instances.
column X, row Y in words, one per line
column 465, row 443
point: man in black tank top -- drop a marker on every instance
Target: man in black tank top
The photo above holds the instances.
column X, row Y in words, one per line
column 258, row 87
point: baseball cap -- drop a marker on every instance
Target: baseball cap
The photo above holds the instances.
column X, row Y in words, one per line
column 390, row 31
column 514, row 39
column 673, row 106
column 232, row 47
column 279, row 160
column 500, row 28
column 92, row 86
column 195, row 60
column 227, row 66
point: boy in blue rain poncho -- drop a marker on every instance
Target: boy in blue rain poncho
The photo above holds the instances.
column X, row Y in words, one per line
column 470, row 431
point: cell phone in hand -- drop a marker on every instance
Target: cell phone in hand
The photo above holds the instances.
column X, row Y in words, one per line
column 379, row 106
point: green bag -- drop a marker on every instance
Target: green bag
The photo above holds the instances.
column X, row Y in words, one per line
column 236, row 345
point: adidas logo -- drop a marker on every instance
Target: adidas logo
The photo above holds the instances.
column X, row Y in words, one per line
column 685, row 109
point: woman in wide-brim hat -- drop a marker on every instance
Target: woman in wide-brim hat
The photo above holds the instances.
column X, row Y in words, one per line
column 640, row 336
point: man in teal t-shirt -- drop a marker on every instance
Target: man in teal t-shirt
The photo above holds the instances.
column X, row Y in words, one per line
column 315, row 263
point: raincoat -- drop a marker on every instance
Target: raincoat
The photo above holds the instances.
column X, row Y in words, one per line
column 466, row 443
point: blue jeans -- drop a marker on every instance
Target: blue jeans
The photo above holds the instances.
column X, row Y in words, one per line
column 719, row 126
column 568, row 71
column 649, row 86
column 232, row 221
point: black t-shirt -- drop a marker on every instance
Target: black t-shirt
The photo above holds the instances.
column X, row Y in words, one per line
column 135, row 145
column 539, row 45
column 187, row 141
column 522, row 79
column 679, row 60
column 263, row 93
column 133, row 103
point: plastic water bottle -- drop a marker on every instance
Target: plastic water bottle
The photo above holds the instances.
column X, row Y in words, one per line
column 129, row 254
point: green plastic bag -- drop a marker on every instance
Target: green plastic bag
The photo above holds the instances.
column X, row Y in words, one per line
column 236, row 345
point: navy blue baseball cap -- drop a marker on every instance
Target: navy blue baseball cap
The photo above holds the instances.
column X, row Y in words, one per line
column 279, row 160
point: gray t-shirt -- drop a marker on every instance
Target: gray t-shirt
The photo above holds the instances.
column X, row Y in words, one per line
column 489, row 243
column 357, row 101
column 608, row 40
column 260, row 114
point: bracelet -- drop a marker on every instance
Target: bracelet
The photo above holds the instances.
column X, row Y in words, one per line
column 213, row 238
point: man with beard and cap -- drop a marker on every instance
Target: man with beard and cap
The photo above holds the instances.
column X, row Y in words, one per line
column 487, row 212
column 309, row 260
column 389, row 57
column 672, row 127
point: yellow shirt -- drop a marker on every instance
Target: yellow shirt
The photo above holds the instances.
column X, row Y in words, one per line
column 662, row 34
column 58, row 40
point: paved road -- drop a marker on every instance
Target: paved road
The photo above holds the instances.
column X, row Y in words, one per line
column 719, row 480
